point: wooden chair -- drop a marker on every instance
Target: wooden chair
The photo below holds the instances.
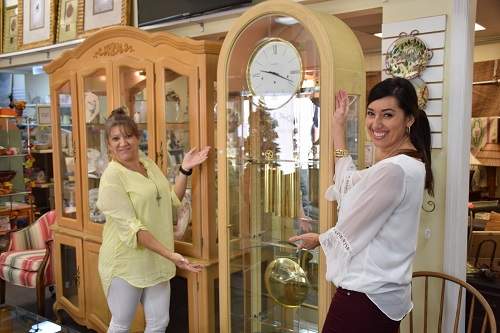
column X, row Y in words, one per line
column 484, row 249
column 28, row 259
column 484, row 309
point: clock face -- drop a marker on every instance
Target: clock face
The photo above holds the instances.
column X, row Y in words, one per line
column 274, row 73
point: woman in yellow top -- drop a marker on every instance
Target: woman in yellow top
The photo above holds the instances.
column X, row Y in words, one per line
column 137, row 258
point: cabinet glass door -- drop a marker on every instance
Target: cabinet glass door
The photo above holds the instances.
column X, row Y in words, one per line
column 178, row 131
column 94, row 84
column 70, row 274
column 68, row 268
column 136, row 87
column 65, row 154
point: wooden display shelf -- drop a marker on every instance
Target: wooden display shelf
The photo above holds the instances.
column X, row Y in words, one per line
column 15, row 155
column 43, row 185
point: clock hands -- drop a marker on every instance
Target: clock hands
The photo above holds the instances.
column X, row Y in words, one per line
column 278, row 75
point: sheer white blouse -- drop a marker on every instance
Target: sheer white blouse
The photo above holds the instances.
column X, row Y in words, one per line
column 372, row 246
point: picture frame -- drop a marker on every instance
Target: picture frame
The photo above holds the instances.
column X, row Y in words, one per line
column 36, row 23
column 1, row 25
column 67, row 20
column 96, row 14
column 9, row 31
column 43, row 115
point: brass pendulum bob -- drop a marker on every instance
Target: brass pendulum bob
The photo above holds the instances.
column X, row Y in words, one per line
column 286, row 280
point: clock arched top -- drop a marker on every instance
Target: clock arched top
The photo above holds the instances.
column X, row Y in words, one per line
column 123, row 40
column 334, row 40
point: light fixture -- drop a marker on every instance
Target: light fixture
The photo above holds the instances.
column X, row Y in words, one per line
column 378, row 34
column 37, row 69
column 478, row 27
column 286, row 20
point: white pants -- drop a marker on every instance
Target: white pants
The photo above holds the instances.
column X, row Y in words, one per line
column 123, row 299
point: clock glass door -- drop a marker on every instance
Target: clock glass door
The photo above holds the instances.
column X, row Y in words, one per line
column 273, row 149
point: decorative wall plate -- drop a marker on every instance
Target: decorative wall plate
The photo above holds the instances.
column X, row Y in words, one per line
column 407, row 56
column 91, row 106
column 422, row 92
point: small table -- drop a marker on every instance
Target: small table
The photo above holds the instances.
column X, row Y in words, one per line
column 14, row 319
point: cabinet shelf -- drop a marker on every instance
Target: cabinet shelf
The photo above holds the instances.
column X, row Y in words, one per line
column 41, row 151
column 15, row 155
column 43, row 185
column 14, row 194
column 184, row 125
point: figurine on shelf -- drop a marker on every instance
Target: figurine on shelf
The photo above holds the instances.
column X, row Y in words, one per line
column 19, row 106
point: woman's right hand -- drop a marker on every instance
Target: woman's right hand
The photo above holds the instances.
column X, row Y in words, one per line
column 305, row 241
column 183, row 263
column 341, row 108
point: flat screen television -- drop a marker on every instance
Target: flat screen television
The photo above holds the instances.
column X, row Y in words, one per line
column 159, row 11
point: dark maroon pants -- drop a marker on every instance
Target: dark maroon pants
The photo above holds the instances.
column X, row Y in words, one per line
column 354, row 312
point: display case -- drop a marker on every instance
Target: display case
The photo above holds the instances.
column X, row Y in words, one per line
column 165, row 83
column 16, row 201
column 279, row 68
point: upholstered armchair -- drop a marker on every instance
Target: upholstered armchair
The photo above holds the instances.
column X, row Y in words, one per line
column 28, row 259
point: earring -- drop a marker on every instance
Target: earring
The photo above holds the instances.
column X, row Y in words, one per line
column 408, row 130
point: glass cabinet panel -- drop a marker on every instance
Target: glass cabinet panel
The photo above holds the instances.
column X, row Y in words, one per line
column 133, row 95
column 95, row 104
column 273, row 186
column 66, row 150
column 70, row 274
column 177, row 144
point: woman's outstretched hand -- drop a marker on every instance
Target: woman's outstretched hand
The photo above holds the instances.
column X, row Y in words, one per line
column 305, row 241
column 183, row 263
column 341, row 108
column 195, row 157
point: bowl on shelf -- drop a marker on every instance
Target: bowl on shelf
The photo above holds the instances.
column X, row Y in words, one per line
column 6, row 175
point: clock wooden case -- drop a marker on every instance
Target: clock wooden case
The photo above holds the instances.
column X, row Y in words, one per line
column 166, row 83
column 279, row 69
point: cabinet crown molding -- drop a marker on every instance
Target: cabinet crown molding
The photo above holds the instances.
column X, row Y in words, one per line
column 153, row 39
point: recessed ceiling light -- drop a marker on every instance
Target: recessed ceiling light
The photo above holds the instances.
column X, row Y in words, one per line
column 378, row 34
column 478, row 27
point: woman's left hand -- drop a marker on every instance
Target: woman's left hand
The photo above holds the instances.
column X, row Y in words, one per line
column 195, row 157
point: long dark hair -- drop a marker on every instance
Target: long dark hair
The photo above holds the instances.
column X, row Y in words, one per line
column 420, row 131
column 119, row 117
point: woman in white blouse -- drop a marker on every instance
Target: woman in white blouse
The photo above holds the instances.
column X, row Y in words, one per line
column 370, row 251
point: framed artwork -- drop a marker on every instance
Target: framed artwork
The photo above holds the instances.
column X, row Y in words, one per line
column 1, row 24
column 43, row 114
column 95, row 14
column 66, row 20
column 36, row 23
column 10, row 24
